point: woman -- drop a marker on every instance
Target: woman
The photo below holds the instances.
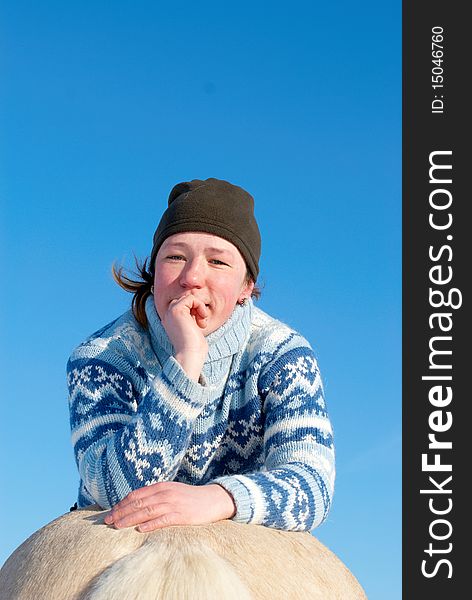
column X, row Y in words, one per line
column 196, row 406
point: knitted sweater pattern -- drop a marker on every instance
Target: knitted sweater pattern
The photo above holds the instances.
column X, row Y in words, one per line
column 255, row 423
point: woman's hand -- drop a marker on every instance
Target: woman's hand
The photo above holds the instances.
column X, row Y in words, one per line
column 184, row 321
column 172, row 503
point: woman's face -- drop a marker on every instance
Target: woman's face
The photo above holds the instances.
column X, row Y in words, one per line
column 205, row 265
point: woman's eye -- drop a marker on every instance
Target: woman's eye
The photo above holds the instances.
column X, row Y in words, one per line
column 215, row 261
column 175, row 257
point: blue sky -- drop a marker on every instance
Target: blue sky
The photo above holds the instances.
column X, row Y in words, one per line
column 103, row 108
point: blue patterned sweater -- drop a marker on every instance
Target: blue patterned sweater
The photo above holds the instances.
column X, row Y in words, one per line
column 256, row 422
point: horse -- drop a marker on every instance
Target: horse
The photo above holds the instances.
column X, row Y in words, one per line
column 78, row 557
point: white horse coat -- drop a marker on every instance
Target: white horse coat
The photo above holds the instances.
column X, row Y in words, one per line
column 78, row 557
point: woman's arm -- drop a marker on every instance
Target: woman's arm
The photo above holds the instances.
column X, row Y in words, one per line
column 127, row 431
column 295, row 489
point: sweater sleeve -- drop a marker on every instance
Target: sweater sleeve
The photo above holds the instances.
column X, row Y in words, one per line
column 294, row 489
column 127, row 431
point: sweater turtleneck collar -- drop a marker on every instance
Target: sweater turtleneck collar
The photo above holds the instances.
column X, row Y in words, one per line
column 223, row 343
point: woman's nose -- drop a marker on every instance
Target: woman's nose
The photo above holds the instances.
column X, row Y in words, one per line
column 192, row 275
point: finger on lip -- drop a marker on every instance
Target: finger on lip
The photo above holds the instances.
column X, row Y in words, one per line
column 186, row 295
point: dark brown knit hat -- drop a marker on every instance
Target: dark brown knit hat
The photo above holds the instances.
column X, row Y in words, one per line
column 212, row 206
